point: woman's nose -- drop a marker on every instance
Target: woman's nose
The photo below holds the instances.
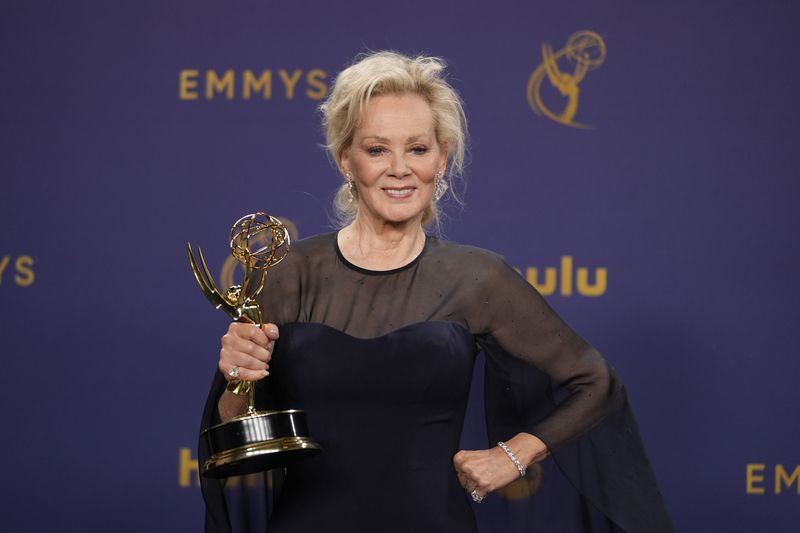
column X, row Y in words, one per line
column 398, row 166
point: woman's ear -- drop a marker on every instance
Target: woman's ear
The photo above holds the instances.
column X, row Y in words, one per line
column 344, row 161
column 445, row 149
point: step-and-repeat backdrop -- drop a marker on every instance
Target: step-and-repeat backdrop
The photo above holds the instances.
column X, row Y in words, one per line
column 637, row 161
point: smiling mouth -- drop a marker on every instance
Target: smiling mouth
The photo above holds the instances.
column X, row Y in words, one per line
column 400, row 193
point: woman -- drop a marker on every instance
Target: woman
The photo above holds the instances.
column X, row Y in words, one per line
column 375, row 329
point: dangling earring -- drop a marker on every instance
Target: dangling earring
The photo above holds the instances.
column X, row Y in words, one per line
column 350, row 187
column 440, row 186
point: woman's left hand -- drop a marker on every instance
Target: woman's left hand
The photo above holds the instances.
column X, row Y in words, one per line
column 485, row 471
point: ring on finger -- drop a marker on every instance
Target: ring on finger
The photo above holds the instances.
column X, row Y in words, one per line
column 234, row 372
column 475, row 497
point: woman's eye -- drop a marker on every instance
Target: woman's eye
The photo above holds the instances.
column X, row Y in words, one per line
column 420, row 150
column 375, row 150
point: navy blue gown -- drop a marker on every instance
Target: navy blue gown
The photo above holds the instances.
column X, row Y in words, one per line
column 381, row 361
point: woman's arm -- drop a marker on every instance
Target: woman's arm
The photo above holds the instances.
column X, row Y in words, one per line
column 513, row 318
column 521, row 323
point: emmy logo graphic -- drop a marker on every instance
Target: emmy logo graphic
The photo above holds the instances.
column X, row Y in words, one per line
column 584, row 51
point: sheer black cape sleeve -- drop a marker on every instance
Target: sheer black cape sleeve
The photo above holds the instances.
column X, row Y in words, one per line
column 607, row 466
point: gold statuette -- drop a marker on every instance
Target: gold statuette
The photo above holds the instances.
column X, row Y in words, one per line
column 254, row 441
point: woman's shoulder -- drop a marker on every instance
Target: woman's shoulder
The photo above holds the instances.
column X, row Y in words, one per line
column 314, row 243
column 484, row 269
column 466, row 254
column 311, row 247
column 304, row 254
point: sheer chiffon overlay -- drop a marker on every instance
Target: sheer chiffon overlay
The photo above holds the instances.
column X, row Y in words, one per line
column 382, row 361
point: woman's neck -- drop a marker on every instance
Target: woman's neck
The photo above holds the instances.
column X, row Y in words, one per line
column 381, row 246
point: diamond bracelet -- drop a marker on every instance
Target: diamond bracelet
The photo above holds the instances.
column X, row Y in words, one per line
column 513, row 458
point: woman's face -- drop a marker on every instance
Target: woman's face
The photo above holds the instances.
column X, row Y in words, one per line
column 394, row 158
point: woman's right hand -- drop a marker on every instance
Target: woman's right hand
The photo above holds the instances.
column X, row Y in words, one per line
column 249, row 348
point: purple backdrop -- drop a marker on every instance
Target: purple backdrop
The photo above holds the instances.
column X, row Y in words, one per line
column 114, row 155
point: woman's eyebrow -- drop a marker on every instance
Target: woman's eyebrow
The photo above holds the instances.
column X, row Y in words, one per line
column 411, row 139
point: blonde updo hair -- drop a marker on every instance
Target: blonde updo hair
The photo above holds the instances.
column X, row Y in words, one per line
column 391, row 73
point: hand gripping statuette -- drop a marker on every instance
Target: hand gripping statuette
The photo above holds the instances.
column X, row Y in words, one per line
column 257, row 440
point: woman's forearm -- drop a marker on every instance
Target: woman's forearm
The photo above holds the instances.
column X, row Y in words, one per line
column 529, row 449
column 231, row 405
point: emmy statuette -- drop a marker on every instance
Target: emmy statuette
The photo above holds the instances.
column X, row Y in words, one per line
column 257, row 440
